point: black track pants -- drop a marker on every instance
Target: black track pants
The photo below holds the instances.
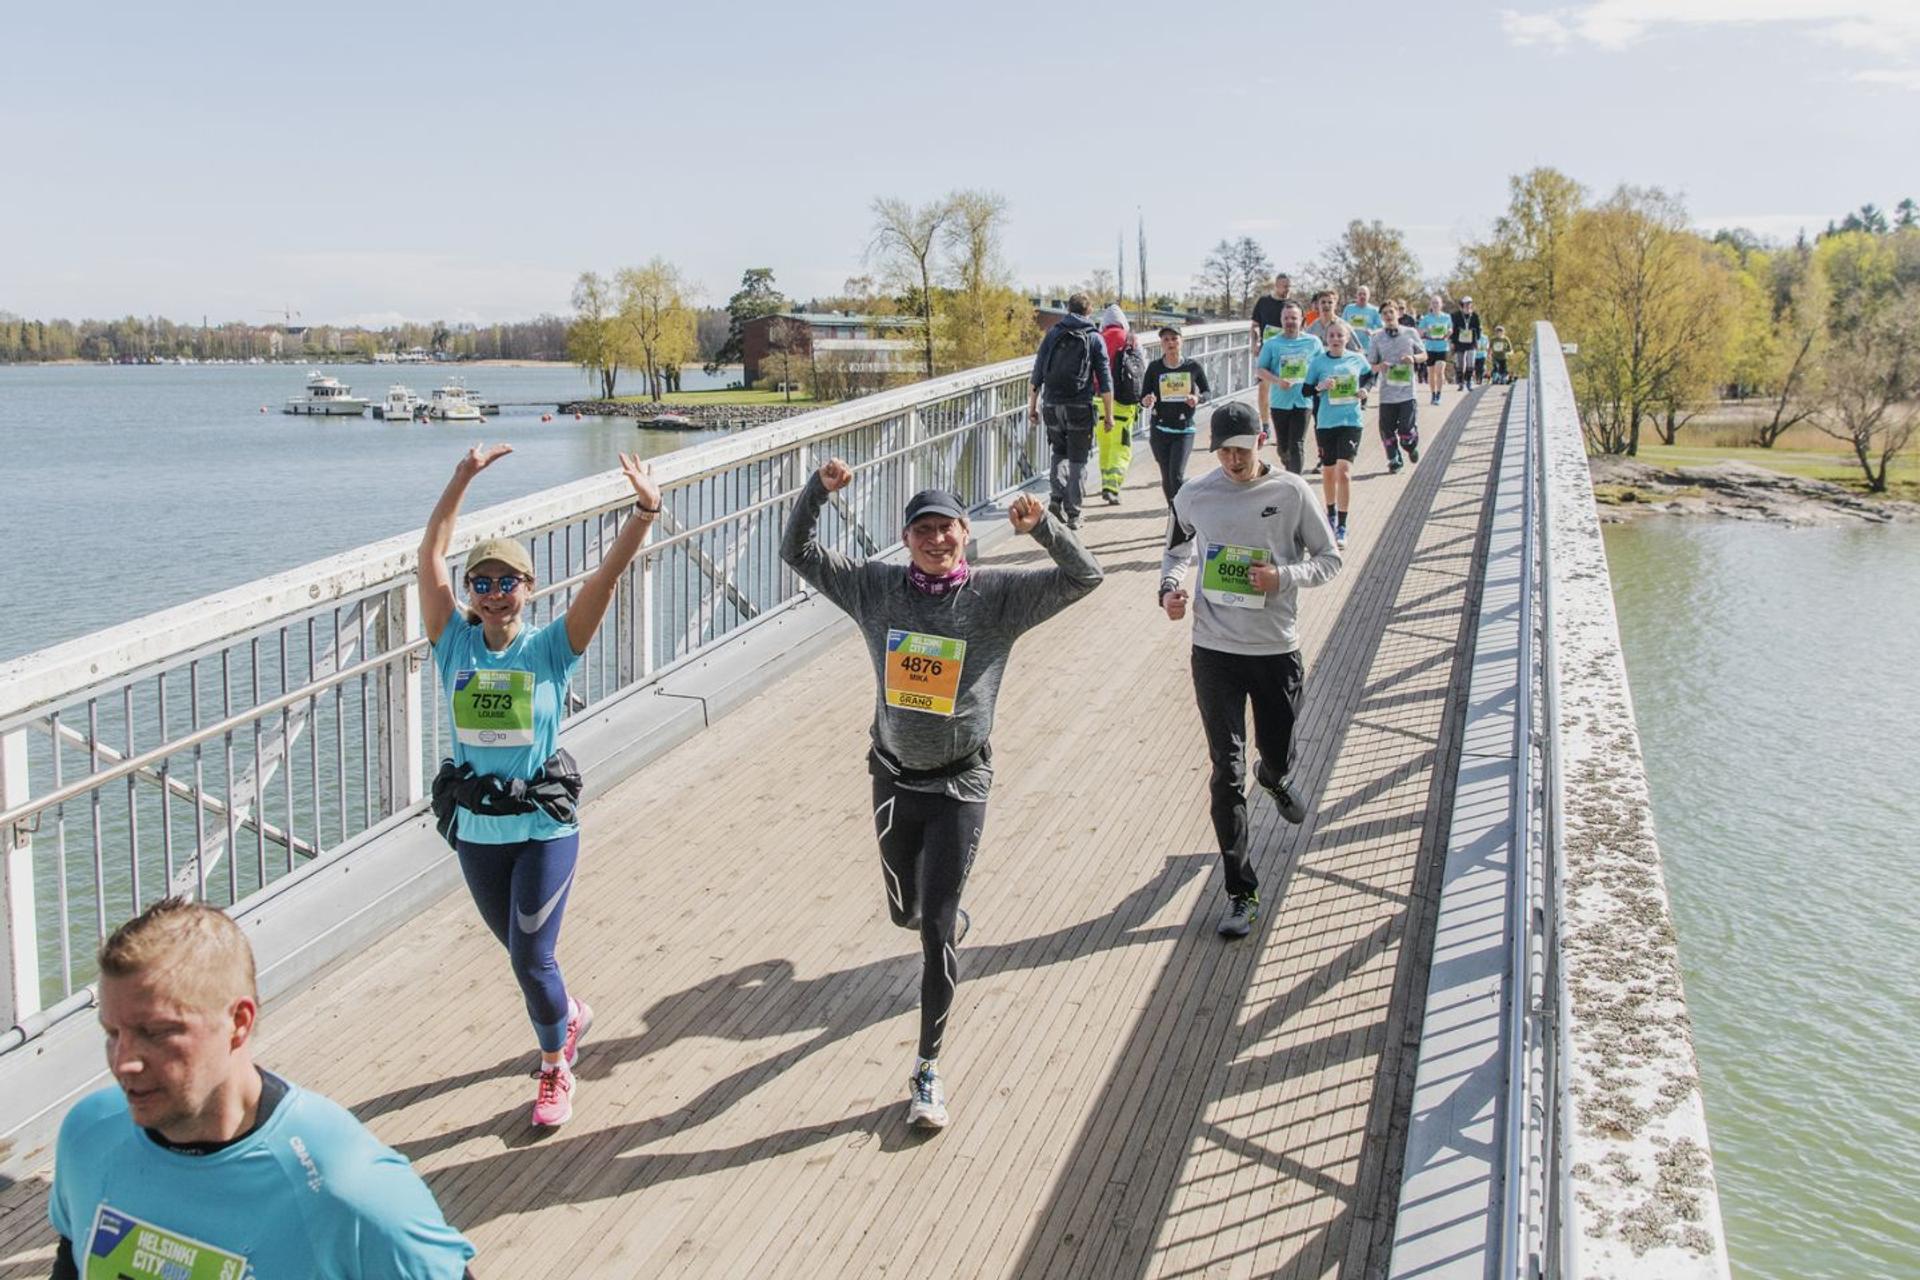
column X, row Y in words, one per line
column 1223, row 685
column 927, row 843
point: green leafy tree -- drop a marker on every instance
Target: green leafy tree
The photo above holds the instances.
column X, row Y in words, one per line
column 756, row 297
column 595, row 340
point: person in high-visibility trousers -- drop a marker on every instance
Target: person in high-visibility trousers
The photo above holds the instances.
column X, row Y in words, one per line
column 1129, row 365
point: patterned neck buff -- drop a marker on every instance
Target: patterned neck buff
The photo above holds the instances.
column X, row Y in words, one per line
column 938, row 585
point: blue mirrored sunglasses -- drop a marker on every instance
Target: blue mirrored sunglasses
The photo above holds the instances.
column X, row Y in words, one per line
column 481, row 585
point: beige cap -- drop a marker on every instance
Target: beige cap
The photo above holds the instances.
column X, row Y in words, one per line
column 507, row 551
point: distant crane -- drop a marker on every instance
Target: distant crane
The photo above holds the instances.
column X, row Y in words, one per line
column 287, row 314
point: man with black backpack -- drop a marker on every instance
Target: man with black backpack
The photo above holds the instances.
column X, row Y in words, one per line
column 1069, row 370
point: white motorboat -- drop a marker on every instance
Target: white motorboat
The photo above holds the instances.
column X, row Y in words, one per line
column 327, row 396
column 451, row 404
column 399, row 406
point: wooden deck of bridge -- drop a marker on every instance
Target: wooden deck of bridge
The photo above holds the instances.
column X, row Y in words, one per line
column 1132, row 1097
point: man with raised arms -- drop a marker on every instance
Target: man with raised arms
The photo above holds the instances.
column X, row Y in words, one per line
column 1282, row 367
column 939, row 633
column 1258, row 540
column 196, row 1162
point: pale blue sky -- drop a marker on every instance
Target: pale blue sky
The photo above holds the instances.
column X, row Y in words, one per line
column 371, row 162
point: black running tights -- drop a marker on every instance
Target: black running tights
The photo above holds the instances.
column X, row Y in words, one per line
column 927, row 843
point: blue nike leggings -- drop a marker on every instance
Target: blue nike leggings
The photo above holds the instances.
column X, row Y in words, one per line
column 521, row 890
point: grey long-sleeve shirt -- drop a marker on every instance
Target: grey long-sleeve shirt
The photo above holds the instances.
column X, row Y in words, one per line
column 954, row 715
column 1222, row 522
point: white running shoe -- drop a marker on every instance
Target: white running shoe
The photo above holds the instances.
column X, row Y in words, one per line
column 926, row 1101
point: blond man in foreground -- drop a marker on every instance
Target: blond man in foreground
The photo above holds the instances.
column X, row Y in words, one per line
column 199, row 1163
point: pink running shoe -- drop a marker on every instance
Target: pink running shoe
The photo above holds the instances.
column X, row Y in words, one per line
column 579, row 1022
column 553, row 1105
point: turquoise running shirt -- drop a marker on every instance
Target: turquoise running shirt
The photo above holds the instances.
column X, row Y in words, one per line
column 1362, row 320
column 309, row 1193
column 503, row 711
column 1436, row 327
column 1339, row 404
column 1288, row 358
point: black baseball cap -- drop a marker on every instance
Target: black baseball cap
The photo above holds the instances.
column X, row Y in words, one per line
column 1234, row 425
column 934, row 502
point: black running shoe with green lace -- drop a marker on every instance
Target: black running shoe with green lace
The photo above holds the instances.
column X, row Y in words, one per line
column 1243, row 912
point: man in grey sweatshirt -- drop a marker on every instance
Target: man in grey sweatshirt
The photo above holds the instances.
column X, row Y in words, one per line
column 1397, row 353
column 1259, row 537
column 939, row 633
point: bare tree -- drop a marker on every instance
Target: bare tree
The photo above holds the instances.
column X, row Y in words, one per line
column 787, row 351
column 1252, row 269
column 1873, row 378
column 905, row 238
column 1218, row 276
column 1371, row 254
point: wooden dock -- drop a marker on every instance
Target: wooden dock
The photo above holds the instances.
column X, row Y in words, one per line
column 1132, row 1097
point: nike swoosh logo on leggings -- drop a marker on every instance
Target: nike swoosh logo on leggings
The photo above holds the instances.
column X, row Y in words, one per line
column 534, row 923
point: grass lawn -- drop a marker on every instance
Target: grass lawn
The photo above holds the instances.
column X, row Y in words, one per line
column 1903, row 477
column 724, row 397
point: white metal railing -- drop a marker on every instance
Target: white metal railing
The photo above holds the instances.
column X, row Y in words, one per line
column 214, row 747
column 1536, row 1192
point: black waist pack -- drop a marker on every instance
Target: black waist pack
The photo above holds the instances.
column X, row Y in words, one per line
column 882, row 765
column 556, row 791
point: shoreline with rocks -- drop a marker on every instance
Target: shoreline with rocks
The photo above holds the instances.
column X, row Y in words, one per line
column 1625, row 489
column 690, row 417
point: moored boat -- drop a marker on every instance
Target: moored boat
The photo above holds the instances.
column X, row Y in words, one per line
column 326, row 396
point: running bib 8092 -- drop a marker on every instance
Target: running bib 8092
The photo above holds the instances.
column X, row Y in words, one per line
column 923, row 671
column 1225, row 578
column 1400, row 373
column 122, row 1247
column 1176, row 386
column 1293, row 368
column 493, row 708
column 1345, row 389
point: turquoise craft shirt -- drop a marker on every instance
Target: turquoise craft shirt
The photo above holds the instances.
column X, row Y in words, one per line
column 542, row 660
column 1432, row 322
column 1272, row 351
column 1331, row 414
column 309, row 1193
column 1362, row 320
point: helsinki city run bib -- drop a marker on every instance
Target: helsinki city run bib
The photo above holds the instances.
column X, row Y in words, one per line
column 923, row 671
column 1437, row 330
column 1345, row 389
column 1271, row 331
column 493, row 708
column 1401, row 373
column 124, row 1248
column 1465, row 335
column 1293, row 368
column 1225, row 581
column 1176, row 386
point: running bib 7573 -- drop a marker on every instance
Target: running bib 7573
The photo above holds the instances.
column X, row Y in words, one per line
column 1176, row 386
column 124, row 1248
column 1225, row 578
column 1293, row 368
column 1345, row 389
column 1400, row 373
column 493, row 708
column 923, row 671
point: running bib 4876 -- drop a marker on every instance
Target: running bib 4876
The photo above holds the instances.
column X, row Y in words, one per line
column 1345, row 389
column 1176, row 386
column 124, row 1248
column 923, row 671
column 1226, row 580
column 493, row 708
